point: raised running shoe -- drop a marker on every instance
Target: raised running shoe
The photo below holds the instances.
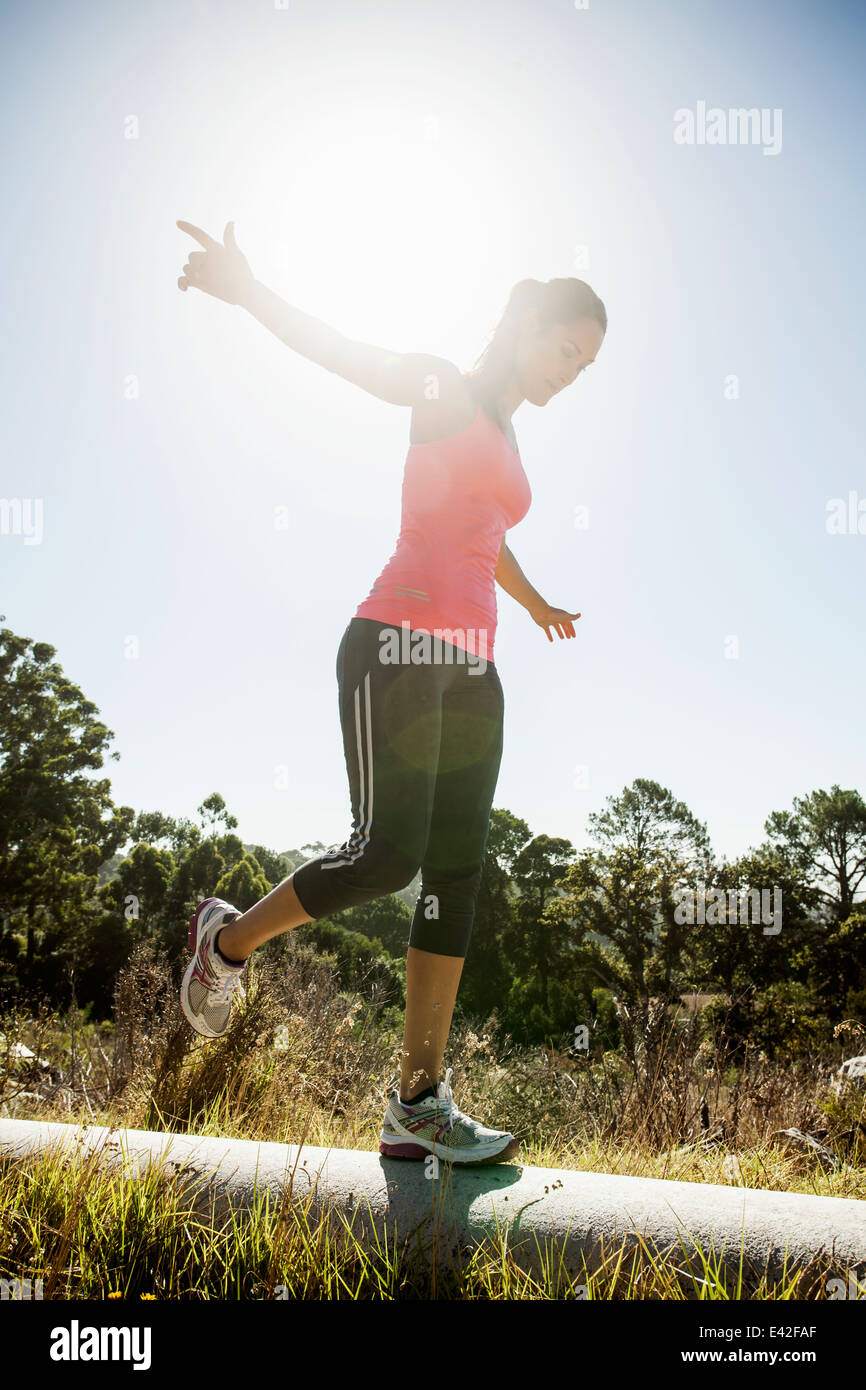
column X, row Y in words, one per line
column 210, row 983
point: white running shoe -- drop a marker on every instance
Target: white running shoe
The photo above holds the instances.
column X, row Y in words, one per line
column 209, row 983
column 436, row 1126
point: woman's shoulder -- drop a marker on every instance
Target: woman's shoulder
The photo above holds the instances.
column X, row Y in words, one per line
column 448, row 406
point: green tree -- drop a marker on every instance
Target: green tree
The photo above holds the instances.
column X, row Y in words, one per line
column 648, row 819
column 141, row 885
column 825, row 837
column 541, row 1000
column 626, row 892
column 57, row 823
column 735, row 954
column 213, row 812
column 612, row 901
column 665, row 842
column 156, row 828
column 273, row 865
column 838, row 971
column 489, row 971
column 386, row 919
column 243, row 884
column 362, row 965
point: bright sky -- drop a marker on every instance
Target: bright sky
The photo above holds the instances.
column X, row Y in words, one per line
column 393, row 168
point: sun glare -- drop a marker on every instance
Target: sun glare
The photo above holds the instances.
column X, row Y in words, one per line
column 373, row 220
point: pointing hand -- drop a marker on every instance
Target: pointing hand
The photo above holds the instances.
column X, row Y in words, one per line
column 221, row 269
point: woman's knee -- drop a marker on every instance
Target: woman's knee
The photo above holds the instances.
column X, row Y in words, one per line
column 451, row 891
column 378, row 873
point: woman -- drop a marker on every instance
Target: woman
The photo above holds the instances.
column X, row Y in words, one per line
column 420, row 700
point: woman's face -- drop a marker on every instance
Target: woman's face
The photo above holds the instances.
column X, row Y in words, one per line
column 548, row 359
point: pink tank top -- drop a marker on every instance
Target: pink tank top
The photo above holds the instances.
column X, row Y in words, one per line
column 460, row 495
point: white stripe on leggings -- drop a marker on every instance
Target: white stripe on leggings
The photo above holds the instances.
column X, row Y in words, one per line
column 363, row 827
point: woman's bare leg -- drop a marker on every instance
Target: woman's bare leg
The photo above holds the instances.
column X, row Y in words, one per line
column 432, row 982
column 279, row 912
column 431, row 989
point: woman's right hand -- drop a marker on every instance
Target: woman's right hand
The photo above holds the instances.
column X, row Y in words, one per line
column 221, row 269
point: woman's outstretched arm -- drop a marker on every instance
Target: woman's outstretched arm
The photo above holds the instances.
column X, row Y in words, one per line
column 401, row 378
column 512, row 579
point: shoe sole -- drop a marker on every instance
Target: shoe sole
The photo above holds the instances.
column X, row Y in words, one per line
column 408, row 1149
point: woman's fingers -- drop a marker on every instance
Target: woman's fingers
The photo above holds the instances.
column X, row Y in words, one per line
column 195, row 270
column 202, row 237
column 567, row 624
column 562, row 630
column 559, row 620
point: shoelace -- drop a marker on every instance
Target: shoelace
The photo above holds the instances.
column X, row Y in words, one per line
column 222, row 984
column 222, row 991
column 454, row 1114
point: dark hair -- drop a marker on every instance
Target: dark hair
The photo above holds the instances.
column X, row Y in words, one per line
column 557, row 301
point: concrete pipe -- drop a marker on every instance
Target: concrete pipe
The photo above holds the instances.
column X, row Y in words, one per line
column 580, row 1218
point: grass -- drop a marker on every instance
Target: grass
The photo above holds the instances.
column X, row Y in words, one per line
column 93, row 1233
column 307, row 1063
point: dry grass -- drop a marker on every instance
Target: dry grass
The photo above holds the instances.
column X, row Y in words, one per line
column 305, row 1062
column 88, row 1232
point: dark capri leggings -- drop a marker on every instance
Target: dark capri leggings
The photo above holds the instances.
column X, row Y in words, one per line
column 423, row 744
